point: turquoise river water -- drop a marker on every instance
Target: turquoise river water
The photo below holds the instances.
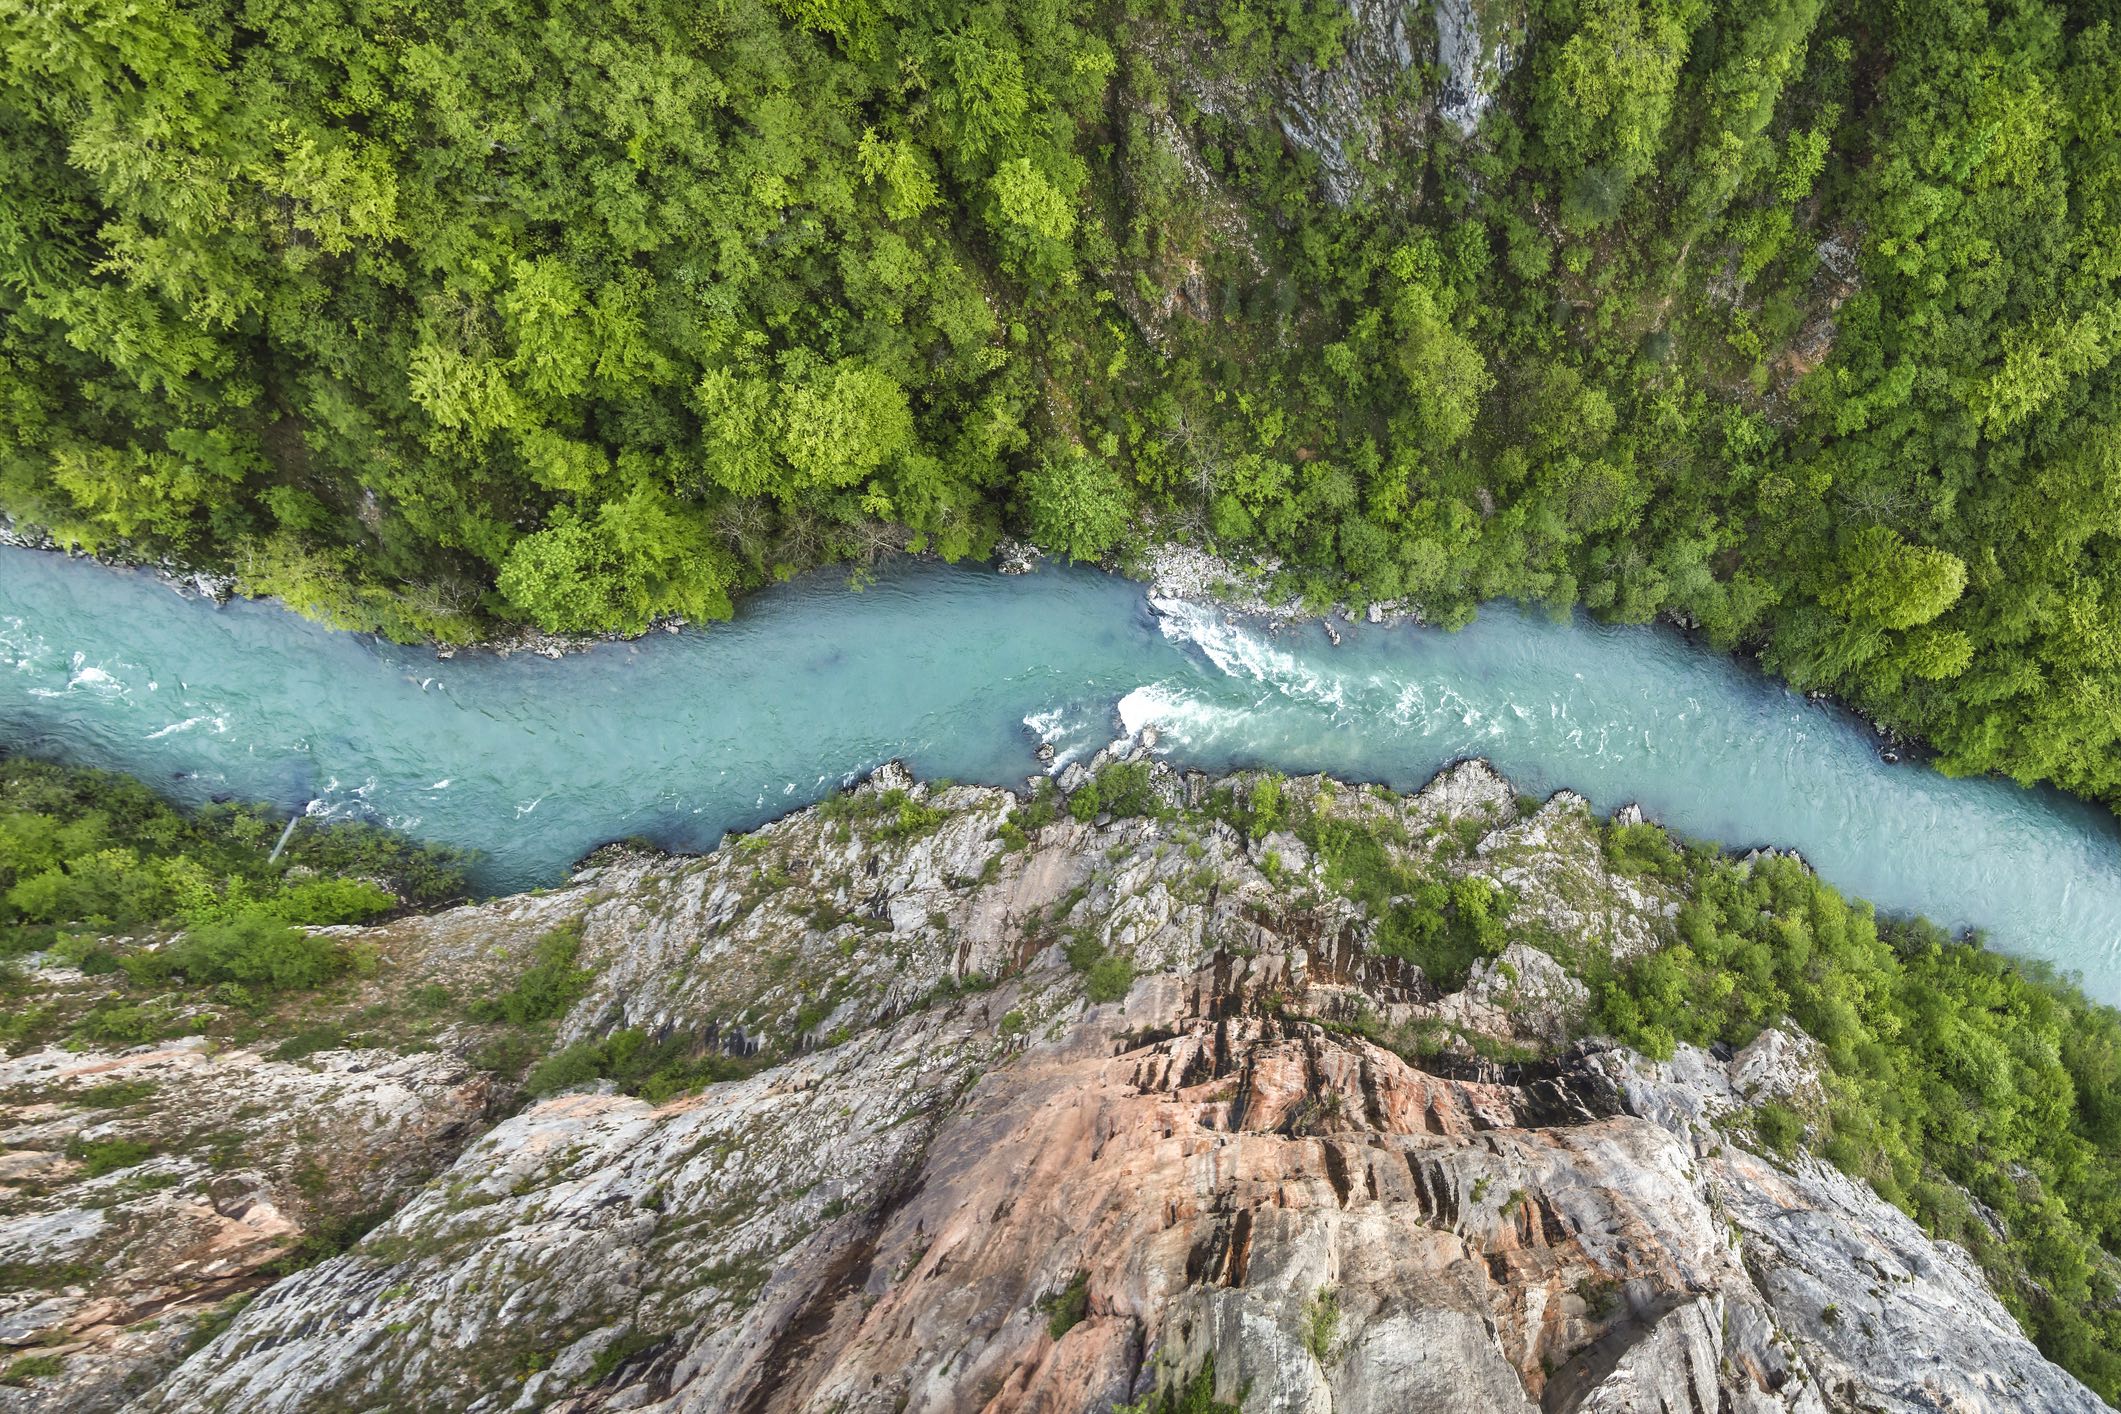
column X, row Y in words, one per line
column 680, row 737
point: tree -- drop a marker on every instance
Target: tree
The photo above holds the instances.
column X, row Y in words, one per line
column 1888, row 583
column 1607, row 91
column 1077, row 505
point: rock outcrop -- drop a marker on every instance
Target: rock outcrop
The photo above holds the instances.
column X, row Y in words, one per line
column 1342, row 113
column 1049, row 1114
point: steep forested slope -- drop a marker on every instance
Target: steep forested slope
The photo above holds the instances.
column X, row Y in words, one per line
column 1792, row 319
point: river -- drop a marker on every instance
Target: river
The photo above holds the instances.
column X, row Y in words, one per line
column 680, row 737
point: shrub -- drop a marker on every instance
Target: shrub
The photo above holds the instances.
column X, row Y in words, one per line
column 1109, row 978
column 550, row 985
column 327, row 1237
column 1643, row 849
column 1194, row 1396
column 122, row 1024
column 325, row 1036
column 905, row 818
column 1321, row 1323
column 31, row 1367
column 253, row 948
column 1780, row 1128
column 1066, row 1308
column 1128, row 788
column 639, row 1065
column 101, row 1156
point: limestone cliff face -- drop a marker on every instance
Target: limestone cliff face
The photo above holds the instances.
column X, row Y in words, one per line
column 964, row 1184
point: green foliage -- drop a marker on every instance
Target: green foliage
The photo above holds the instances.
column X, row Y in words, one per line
column 888, row 815
column 1193, row 1396
column 1444, row 927
column 617, row 1353
column 328, row 1236
column 252, row 949
column 638, row 1064
column 102, row 1156
column 324, row 1036
column 548, row 987
column 120, row 1024
column 98, row 850
column 114, row 1094
column 1643, row 849
column 1076, row 505
column 1264, row 808
column 1107, row 976
column 1066, row 1308
column 905, row 818
column 1779, row 1127
column 1122, row 789
column 25, row 1368
column 215, row 1321
column 1321, row 1323
column 89, row 853
column 1890, row 583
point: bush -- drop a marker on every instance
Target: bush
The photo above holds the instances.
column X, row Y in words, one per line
column 1107, row 976
column 1194, row 1396
column 1780, row 1128
column 252, row 949
column 31, row 1367
column 1109, row 979
column 1066, row 1308
column 1128, row 788
column 548, row 987
column 654, row 1070
column 100, row 849
column 328, row 1236
column 101, row 1156
column 324, row 1036
column 1643, row 849
column 122, row 1024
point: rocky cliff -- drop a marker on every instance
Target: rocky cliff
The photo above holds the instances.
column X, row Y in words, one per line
column 1041, row 1112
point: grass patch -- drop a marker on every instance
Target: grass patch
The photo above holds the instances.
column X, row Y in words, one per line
column 31, row 1367
column 1321, row 1323
column 101, row 1156
column 1193, row 1396
column 114, row 1094
column 323, row 1036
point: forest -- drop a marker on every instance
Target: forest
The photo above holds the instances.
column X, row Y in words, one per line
column 1791, row 321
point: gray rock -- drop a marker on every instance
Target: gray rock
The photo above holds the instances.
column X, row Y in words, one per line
column 1477, row 43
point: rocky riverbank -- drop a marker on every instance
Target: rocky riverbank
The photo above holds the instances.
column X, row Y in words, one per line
column 1248, row 588
column 1035, row 1101
column 189, row 581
